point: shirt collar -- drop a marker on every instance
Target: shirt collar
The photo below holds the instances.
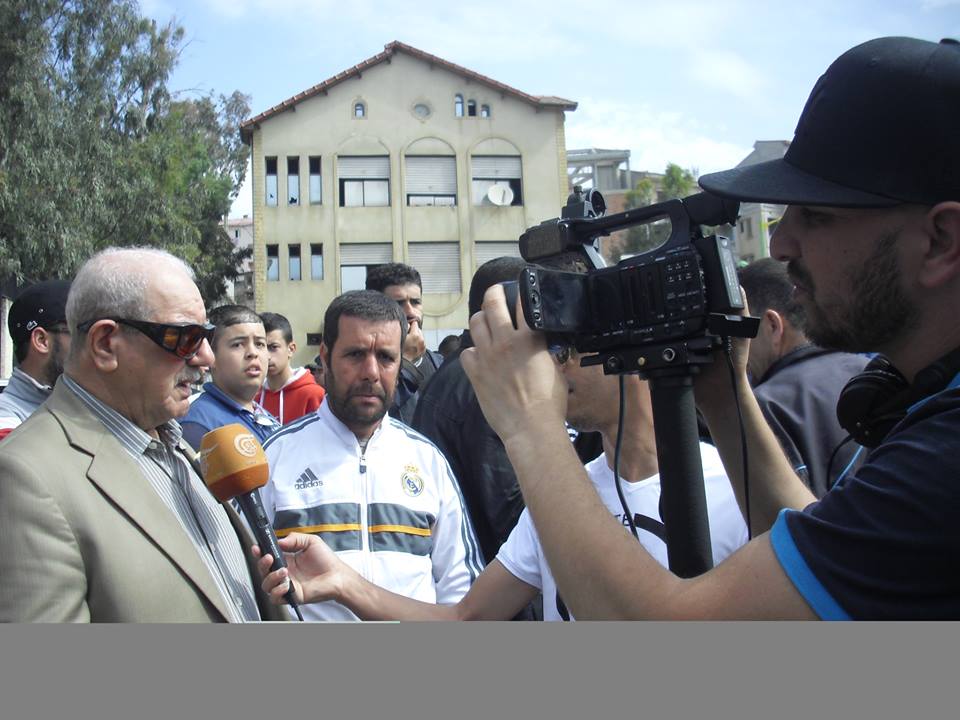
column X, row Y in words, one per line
column 129, row 434
column 45, row 389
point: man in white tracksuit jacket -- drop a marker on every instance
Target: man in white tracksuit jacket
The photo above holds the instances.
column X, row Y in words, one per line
column 377, row 492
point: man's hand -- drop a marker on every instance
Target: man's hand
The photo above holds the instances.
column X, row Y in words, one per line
column 712, row 385
column 414, row 346
column 314, row 569
column 518, row 384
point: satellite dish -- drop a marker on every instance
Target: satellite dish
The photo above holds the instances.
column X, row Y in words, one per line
column 500, row 194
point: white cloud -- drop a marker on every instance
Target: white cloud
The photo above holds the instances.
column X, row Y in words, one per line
column 654, row 138
column 726, row 71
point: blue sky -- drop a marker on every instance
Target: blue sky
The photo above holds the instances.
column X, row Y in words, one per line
column 687, row 81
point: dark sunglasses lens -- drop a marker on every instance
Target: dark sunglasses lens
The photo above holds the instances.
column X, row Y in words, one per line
column 191, row 338
column 171, row 339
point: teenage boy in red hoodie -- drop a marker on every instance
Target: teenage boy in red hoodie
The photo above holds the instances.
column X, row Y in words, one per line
column 288, row 393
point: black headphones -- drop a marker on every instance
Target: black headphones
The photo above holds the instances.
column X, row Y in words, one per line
column 872, row 402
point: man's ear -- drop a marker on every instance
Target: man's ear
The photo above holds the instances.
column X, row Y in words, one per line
column 775, row 325
column 941, row 263
column 40, row 341
column 102, row 342
column 292, row 348
column 324, row 356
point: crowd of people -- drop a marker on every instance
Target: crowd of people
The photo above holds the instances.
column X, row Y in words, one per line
column 411, row 484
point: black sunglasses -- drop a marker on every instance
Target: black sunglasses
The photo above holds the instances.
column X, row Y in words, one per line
column 182, row 340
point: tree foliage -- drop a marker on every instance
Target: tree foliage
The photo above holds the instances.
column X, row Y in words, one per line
column 94, row 151
column 676, row 183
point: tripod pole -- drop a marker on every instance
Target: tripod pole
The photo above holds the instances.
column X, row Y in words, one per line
column 683, row 504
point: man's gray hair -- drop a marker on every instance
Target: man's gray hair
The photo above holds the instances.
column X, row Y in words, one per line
column 114, row 282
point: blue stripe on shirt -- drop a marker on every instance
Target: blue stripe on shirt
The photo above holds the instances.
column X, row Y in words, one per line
column 800, row 574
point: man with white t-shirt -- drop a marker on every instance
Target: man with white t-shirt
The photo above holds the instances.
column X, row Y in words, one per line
column 520, row 570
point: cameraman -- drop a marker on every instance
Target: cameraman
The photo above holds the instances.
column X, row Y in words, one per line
column 872, row 238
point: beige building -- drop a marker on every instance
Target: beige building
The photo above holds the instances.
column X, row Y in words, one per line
column 757, row 220
column 405, row 157
column 240, row 231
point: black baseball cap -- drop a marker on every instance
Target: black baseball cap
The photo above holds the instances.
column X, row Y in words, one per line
column 41, row 305
column 880, row 128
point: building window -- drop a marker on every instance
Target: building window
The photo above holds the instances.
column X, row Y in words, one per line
column 293, row 260
column 271, row 167
column 458, row 106
column 359, row 110
column 472, row 108
column 431, row 180
column 364, row 180
column 484, row 111
column 236, row 234
column 357, row 258
column 315, row 186
column 316, row 261
column 314, row 338
column 496, row 180
column 438, row 264
column 273, row 262
column 293, row 180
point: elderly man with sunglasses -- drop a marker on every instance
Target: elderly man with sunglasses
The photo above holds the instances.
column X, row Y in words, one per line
column 103, row 515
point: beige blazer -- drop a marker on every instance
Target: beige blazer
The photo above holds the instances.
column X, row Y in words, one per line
column 85, row 538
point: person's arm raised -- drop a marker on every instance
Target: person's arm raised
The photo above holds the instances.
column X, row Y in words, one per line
column 318, row 574
column 602, row 572
column 773, row 484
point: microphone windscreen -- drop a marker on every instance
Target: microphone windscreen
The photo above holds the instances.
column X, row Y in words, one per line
column 232, row 461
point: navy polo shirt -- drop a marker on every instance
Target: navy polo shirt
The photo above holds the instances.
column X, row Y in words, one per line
column 214, row 408
column 884, row 543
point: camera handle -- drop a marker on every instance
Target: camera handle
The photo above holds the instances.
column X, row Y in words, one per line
column 683, row 503
column 669, row 369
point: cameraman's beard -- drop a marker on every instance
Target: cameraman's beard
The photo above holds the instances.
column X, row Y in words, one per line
column 878, row 310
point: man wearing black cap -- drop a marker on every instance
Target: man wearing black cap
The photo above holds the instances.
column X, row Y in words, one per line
column 38, row 326
column 872, row 241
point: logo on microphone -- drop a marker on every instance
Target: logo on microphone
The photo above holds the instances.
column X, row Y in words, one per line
column 246, row 445
column 411, row 480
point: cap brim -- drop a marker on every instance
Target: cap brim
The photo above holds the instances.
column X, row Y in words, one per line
column 779, row 182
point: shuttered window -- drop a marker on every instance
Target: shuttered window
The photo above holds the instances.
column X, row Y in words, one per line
column 363, row 167
column 356, row 258
column 496, row 167
column 364, row 180
column 486, row 251
column 438, row 264
column 503, row 171
column 431, row 180
column 366, row 253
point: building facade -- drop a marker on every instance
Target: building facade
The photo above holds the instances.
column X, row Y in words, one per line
column 403, row 158
column 757, row 220
column 241, row 290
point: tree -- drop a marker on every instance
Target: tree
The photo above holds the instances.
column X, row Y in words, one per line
column 94, row 151
column 675, row 183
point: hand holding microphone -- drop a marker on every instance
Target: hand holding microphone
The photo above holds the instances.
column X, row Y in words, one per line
column 234, row 466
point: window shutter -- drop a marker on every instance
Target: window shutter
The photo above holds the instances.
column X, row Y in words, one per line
column 366, row 253
column 486, row 251
column 431, row 175
column 496, row 166
column 363, row 167
column 438, row 264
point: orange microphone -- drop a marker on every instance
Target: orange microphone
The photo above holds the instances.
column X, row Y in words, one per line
column 234, row 466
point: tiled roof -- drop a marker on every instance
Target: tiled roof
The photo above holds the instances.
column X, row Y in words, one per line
column 247, row 128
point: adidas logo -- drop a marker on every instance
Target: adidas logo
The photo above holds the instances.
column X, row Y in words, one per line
column 307, row 480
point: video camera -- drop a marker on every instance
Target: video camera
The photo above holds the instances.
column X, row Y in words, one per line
column 661, row 315
column 666, row 308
